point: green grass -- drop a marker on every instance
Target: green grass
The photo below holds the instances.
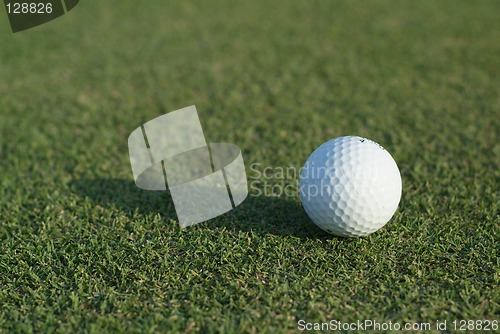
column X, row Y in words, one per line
column 83, row 250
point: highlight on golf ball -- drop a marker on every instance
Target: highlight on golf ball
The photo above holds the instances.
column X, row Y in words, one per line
column 350, row 186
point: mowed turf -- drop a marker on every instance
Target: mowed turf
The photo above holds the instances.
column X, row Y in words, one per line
column 83, row 250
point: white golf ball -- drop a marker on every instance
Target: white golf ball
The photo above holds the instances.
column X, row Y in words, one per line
column 350, row 186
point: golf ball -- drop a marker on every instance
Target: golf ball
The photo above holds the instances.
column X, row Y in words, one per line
column 350, row 186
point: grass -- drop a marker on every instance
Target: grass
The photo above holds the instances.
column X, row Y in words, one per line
column 83, row 250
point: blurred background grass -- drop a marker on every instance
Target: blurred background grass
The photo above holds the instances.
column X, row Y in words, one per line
column 84, row 250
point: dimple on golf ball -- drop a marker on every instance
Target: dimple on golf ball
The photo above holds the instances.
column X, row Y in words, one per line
column 350, row 186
